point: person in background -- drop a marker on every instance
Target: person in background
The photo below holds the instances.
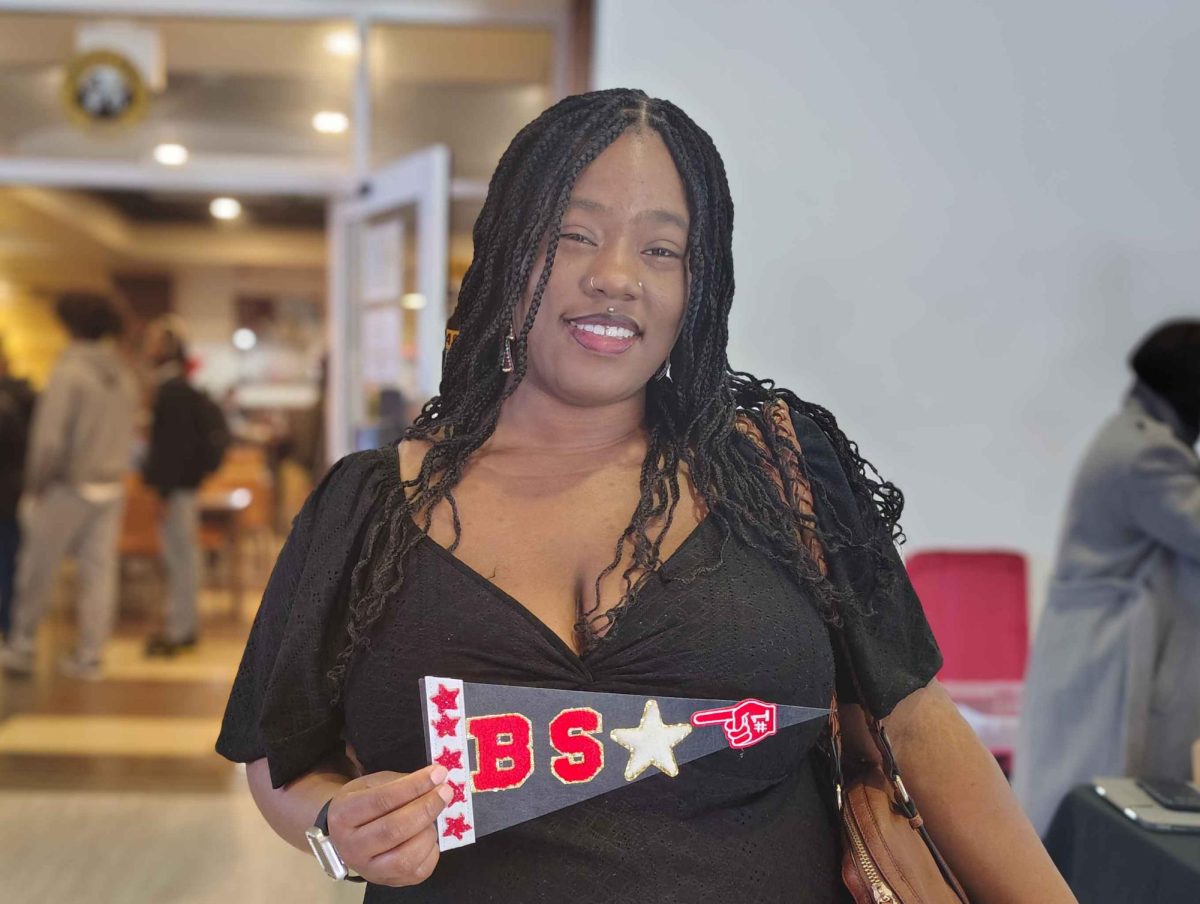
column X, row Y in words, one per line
column 16, row 411
column 1113, row 685
column 78, row 456
column 179, row 456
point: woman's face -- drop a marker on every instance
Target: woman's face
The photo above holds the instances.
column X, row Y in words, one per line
column 613, row 305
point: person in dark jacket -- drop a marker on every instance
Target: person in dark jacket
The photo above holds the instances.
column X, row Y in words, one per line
column 16, row 412
column 175, row 466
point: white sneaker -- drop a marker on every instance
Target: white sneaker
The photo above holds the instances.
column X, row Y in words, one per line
column 16, row 663
column 80, row 671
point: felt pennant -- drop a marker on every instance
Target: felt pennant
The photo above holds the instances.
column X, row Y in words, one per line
column 514, row 753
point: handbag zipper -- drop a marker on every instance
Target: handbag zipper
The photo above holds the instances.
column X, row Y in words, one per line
column 881, row 893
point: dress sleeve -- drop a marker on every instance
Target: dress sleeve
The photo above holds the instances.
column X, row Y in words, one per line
column 280, row 704
column 892, row 649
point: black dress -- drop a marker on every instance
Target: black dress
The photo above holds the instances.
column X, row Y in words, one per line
column 749, row 826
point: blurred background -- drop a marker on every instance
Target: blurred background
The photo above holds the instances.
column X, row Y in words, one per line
column 953, row 222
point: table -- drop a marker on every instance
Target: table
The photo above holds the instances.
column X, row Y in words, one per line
column 1108, row 859
column 222, row 510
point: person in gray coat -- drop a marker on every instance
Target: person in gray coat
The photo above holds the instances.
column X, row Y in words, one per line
column 79, row 454
column 1113, row 684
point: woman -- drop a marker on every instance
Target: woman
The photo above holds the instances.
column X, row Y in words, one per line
column 590, row 380
column 1114, row 681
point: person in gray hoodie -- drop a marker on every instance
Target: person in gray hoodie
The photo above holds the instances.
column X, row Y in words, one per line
column 79, row 453
column 1113, row 684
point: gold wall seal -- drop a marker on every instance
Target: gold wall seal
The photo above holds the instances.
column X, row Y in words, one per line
column 103, row 88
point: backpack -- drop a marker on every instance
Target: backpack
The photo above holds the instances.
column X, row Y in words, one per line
column 214, row 438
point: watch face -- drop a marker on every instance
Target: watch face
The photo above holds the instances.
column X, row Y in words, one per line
column 326, row 854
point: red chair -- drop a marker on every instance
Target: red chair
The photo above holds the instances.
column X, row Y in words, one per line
column 977, row 603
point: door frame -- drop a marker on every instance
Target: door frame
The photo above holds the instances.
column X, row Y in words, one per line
column 422, row 179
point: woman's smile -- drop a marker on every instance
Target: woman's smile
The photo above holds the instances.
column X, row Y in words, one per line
column 605, row 334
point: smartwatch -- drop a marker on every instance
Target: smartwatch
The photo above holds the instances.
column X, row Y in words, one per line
column 324, row 851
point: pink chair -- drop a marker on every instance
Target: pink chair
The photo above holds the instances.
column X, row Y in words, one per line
column 977, row 603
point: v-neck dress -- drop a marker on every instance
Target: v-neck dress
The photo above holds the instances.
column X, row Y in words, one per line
column 718, row 621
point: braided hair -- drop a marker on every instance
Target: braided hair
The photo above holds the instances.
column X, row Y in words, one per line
column 690, row 415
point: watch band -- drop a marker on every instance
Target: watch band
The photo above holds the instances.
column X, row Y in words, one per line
column 324, row 851
column 322, row 822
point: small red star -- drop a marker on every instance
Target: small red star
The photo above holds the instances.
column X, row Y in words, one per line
column 445, row 726
column 456, row 826
column 450, row 759
column 445, row 698
column 459, row 792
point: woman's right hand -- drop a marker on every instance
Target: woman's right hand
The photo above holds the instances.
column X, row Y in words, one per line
column 384, row 824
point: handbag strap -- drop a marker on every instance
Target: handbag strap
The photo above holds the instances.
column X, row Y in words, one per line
column 785, row 468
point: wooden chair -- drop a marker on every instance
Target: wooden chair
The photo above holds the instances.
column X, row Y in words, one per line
column 139, row 547
column 245, row 467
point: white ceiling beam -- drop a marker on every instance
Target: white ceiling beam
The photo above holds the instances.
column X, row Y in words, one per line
column 247, row 176
column 416, row 12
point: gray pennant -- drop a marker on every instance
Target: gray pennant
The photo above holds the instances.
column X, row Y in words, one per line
column 640, row 736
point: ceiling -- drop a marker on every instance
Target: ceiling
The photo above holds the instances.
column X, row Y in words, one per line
column 145, row 208
column 252, row 87
column 431, row 54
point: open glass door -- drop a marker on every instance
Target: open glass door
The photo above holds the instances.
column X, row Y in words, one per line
column 387, row 300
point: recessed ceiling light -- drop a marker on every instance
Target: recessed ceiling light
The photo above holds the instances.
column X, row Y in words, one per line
column 342, row 43
column 413, row 301
column 225, row 208
column 244, row 339
column 171, row 154
column 331, row 122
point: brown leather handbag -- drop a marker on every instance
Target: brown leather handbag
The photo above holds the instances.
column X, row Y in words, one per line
column 888, row 856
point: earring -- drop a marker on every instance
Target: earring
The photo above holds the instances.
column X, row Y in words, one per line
column 506, row 356
column 664, row 372
column 639, row 284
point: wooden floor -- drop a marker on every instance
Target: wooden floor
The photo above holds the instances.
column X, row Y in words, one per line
column 110, row 792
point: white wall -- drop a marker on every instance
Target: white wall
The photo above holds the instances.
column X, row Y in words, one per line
column 953, row 221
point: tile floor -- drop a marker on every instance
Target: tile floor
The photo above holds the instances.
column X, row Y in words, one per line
column 110, row 792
